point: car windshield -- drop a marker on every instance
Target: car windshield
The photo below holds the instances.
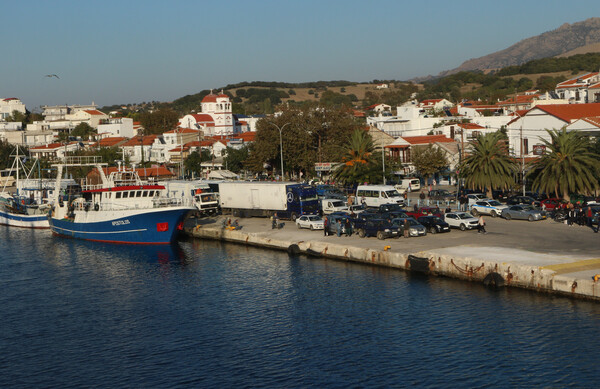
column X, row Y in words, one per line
column 495, row 203
column 392, row 193
column 443, row 192
column 413, row 222
column 436, row 219
column 527, row 208
column 393, row 207
column 338, row 203
column 464, row 216
column 308, row 197
column 314, row 218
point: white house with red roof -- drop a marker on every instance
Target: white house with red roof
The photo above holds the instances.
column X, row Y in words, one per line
column 53, row 151
column 529, row 127
column 584, row 88
column 435, row 104
column 587, row 125
column 401, row 149
column 145, row 148
column 10, row 104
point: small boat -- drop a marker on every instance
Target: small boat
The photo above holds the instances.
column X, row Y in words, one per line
column 121, row 209
column 26, row 206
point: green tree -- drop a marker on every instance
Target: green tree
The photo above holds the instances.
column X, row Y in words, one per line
column 193, row 163
column 358, row 164
column 428, row 160
column 83, row 131
column 488, row 165
column 16, row 116
column 569, row 165
column 314, row 134
column 159, row 121
column 235, row 158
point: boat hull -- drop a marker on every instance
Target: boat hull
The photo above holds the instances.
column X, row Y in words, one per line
column 154, row 226
column 24, row 221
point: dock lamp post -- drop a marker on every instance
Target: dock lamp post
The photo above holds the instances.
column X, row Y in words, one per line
column 280, row 144
column 521, row 147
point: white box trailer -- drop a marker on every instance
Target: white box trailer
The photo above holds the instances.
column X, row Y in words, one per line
column 288, row 199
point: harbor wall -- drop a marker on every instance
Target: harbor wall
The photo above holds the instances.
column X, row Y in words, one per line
column 492, row 273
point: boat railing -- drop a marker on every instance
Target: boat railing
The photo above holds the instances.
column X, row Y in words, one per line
column 120, row 206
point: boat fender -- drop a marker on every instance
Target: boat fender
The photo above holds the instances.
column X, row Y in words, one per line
column 96, row 207
column 86, row 207
column 293, row 249
column 493, row 280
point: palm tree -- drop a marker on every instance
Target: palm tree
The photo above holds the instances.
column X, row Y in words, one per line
column 568, row 166
column 357, row 164
column 488, row 165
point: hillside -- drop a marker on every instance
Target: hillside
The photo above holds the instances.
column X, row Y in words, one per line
column 568, row 39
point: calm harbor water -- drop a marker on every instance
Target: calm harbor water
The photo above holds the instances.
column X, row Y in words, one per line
column 207, row 314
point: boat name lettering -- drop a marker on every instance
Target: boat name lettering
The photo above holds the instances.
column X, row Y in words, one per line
column 120, row 222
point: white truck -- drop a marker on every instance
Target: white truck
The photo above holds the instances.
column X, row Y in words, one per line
column 288, row 199
column 196, row 193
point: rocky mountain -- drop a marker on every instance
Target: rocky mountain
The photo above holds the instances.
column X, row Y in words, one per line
column 577, row 38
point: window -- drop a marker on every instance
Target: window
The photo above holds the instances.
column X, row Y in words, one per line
column 525, row 146
column 145, row 194
column 125, row 195
column 118, row 195
column 138, row 193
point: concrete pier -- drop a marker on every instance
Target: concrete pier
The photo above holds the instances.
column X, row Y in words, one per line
column 530, row 255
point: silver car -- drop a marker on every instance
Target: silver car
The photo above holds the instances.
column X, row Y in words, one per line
column 523, row 212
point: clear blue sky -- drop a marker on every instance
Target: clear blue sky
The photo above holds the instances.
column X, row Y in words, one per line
column 115, row 52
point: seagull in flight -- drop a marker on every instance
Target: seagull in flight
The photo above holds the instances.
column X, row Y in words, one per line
column 52, row 75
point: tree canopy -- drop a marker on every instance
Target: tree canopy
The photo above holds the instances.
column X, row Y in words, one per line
column 428, row 160
column 159, row 121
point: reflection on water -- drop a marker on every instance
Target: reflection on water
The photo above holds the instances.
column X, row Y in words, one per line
column 204, row 313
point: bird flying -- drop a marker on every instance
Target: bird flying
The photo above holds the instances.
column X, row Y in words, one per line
column 52, row 75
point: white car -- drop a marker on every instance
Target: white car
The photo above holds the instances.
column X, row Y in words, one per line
column 310, row 221
column 488, row 207
column 462, row 220
column 472, row 198
column 333, row 205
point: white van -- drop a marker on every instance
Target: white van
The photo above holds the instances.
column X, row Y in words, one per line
column 376, row 195
column 413, row 183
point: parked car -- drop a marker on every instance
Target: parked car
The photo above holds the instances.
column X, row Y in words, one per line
column 488, row 207
column 424, row 211
column 341, row 219
column 392, row 207
column 473, row 197
column 335, row 194
column 552, row 203
column 500, row 195
column 523, row 212
column 434, row 224
column 462, row 220
column 415, row 229
column 380, row 228
column 310, row 221
column 442, row 195
column 514, row 200
column 355, row 209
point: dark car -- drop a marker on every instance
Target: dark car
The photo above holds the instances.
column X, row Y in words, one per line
column 340, row 219
column 415, row 228
column 500, row 195
column 516, row 200
column 434, row 224
column 442, row 195
column 395, row 207
column 380, row 228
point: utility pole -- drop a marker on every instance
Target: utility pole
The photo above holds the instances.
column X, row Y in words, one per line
column 280, row 144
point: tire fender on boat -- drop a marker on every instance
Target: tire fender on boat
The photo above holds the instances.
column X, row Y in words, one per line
column 96, row 207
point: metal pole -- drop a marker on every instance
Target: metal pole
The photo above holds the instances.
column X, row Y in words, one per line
column 522, row 158
column 280, row 144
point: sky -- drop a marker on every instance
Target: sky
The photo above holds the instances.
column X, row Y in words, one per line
column 128, row 51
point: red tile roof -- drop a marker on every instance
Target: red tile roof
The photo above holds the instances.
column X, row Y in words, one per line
column 148, row 140
column 94, row 112
column 570, row 112
column 430, row 101
column 575, row 82
column 595, row 121
column 521, row 99
column 470, row 126
column 48, row 146
column 111, row 141
column 10, row 98
column 213, row 98
column 427, row 139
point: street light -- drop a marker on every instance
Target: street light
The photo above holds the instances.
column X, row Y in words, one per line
column 280, row 144
column 522, row 154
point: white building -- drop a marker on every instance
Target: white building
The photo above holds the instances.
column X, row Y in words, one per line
column 216, row 118
column 116, row 127
column 584, row 88
column 10, row 104
column 530, row 127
